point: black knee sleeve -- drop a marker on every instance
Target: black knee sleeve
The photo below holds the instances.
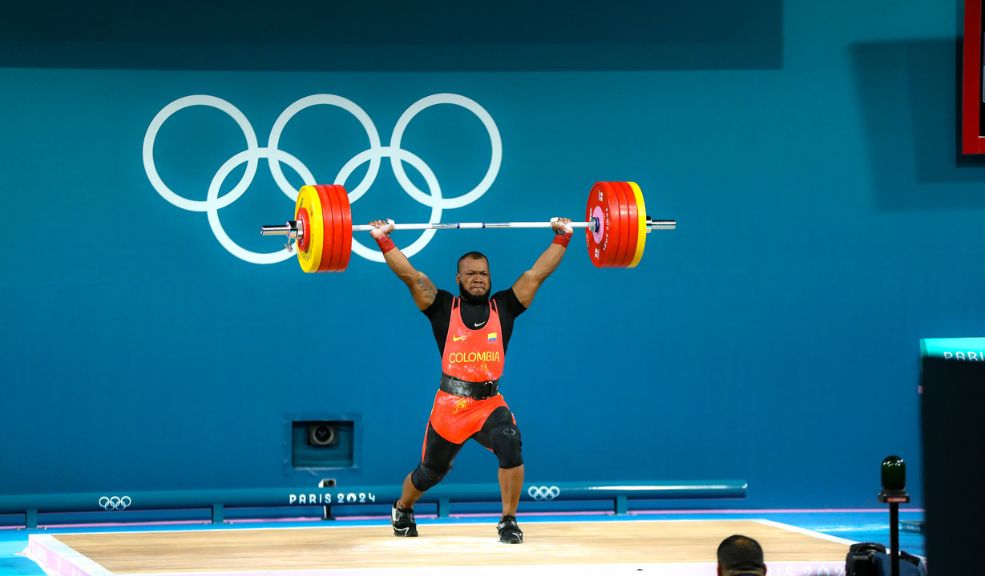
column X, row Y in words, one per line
column 505, row 440
column 424, row 478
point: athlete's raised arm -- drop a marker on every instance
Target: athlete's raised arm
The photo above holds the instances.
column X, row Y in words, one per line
column 527, row 284
column 420, row 286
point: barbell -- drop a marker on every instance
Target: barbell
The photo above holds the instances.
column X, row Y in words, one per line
column 615, row 226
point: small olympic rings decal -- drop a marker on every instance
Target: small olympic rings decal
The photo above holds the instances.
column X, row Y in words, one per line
column 543, row 492
column 115, row 502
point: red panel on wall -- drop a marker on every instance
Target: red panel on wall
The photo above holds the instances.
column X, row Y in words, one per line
column 972, row 95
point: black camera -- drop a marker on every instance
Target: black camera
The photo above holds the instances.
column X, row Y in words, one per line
column 862, row 559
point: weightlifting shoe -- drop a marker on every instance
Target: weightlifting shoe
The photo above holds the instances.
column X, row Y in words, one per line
column 509, row 532
column 403, row 521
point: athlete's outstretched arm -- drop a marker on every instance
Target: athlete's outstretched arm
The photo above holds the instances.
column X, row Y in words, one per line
column 421, row 288
column 527, row 284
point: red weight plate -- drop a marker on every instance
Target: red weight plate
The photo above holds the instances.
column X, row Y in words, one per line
column 343, row 221
column 611, row 200
column 590, row 242
column 331, row 229
column 597, row 239
column 328, row 217
column 346, row 244
column 340, row 228
column 609, row 241
column 617, row 225
column 633, row 223
column 332, row 200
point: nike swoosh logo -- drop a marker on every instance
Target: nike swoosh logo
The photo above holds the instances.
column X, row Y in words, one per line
column 479, row 324
column 402, row 530
column 458, row 338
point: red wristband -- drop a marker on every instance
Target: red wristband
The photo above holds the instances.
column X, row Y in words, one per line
column 562, row 239
column 385, row 243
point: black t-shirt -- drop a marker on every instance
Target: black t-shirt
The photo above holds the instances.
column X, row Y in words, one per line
column 473, row 315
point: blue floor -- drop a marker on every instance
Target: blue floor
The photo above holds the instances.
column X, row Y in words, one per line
column 857, row 526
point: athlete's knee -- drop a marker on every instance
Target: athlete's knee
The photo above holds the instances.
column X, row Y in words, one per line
column 505, row 440
column 424, row 477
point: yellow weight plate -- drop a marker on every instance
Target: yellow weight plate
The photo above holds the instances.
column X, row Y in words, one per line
column 641, row 217
column 308, row 199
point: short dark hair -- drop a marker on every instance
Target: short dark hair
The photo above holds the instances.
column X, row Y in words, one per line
column 473, row 255
column 741, row 553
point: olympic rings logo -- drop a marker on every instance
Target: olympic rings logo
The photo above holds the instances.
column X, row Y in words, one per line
column 115, row 502
column 543, row 492
column 275, row 157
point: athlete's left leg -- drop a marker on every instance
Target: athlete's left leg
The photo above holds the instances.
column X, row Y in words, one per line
column 500, row 434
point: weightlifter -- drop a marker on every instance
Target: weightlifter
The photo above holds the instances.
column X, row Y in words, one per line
column 472, row 331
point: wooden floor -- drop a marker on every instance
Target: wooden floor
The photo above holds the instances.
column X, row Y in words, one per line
column 349, row 549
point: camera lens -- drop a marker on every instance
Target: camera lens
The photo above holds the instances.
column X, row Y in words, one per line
column 322, row 434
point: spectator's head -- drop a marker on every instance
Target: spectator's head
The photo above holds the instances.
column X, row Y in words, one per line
column 740, row 556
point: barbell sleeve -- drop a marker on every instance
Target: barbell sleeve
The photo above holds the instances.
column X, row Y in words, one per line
column 652, row 224
column 289, row 229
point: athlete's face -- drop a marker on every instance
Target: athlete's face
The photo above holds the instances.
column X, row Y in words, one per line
column 473, row 276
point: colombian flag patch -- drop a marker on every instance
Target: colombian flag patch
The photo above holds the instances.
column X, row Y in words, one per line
column 491, row 337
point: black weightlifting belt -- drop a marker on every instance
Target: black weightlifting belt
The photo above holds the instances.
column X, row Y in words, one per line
column 477, row 390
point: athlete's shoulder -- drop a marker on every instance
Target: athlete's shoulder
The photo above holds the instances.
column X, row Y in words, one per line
column 442, row 301
column 503, row 295
column 507, row 300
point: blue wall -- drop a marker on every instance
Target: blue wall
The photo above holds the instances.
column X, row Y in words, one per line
column 826, row 225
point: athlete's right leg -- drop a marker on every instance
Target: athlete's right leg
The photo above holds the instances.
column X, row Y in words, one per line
column 436, row 458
